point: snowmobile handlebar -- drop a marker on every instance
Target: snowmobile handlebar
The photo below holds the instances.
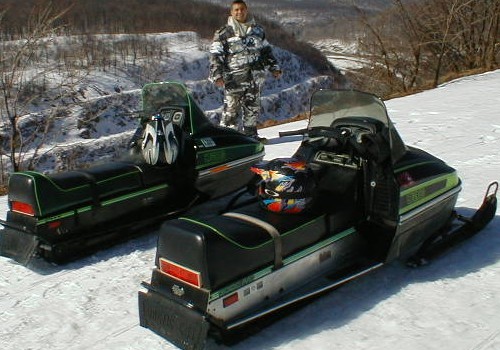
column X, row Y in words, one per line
column 316, row 131
column 360, row 140
column 292, row 132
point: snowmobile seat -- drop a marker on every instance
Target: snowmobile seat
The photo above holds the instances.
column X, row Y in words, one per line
column 54, row 193
column 223, row 248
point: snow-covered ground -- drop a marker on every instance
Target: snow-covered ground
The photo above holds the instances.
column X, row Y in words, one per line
column 452, row 303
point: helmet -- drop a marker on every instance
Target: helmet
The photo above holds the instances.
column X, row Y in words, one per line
column 286, row 186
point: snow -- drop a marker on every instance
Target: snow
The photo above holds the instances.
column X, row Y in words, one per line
column 452, row 303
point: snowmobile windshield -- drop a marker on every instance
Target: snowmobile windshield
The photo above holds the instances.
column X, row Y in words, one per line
column 330, row 108
column 157, row 97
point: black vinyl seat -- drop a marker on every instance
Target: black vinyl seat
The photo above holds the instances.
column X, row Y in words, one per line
column 223, row 248
column 54, row 193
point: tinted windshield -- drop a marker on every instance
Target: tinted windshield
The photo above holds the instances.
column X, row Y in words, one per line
column 158, row 95
column 327, row 106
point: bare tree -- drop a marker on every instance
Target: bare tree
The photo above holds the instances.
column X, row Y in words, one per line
column 23, row 79
column 394, row 49
column 416, row 44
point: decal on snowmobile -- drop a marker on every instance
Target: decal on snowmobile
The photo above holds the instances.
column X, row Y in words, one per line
column 207, row 142
column 287, row 261
column 208, row 158
column 422, row 193
column 87, row 208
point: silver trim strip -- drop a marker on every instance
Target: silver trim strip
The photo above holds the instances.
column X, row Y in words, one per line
column 233, row 164
column 323, row 289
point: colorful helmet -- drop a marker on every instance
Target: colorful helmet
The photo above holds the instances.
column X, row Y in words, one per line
column 287, row 185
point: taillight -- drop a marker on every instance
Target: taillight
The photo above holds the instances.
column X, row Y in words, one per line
column 54, row 225
column 230, row 300
column 180, row 272
column 23, row 208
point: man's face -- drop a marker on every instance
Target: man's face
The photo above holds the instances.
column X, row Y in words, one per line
column 239, row 12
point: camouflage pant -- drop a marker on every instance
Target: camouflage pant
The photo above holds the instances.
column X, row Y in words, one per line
column 245, row 102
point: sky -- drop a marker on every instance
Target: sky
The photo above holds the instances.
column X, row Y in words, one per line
column 452, row 303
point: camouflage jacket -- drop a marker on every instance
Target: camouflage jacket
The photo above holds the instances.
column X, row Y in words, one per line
column 240, row 59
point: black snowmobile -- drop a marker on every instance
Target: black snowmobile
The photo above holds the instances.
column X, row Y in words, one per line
column 179, row 159
column 351, row 199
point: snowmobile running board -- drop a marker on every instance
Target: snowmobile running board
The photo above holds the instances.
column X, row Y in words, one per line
column 187, row 327
column 308, row 291
column 458, row 231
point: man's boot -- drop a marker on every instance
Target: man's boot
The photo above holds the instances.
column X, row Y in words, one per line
column 251, row 131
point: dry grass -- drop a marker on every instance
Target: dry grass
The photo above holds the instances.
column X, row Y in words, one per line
column 3, row 190
column 269, row 123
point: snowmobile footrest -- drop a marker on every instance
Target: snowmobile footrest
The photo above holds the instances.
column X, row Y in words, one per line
column 182, row 326
column 18, row 246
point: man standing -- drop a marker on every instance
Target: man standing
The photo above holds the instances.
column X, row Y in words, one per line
column 239, row 56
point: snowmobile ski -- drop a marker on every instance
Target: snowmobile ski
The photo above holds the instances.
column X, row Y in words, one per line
column 461, row 229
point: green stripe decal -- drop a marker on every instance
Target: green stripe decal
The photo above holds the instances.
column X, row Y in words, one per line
column 33, row 175
column 287, row 261
column 104, row 203
column 415, row 196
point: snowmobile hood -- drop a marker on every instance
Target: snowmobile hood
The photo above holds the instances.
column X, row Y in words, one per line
column 330, row 107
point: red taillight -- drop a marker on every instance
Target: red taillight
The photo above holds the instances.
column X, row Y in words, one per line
column 181, row 273
column 23, row 208
column 230, row 300
column 54, row 225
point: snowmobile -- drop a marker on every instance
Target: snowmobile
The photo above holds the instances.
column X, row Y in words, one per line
column 351, row 199
column 178, row 159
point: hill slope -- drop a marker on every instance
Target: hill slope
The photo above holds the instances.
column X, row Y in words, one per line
column 94, row 118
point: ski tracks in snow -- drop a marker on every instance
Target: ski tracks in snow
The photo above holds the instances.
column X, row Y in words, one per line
column 492, row 342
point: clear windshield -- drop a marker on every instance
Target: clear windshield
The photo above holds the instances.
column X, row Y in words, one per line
column 327, row 106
